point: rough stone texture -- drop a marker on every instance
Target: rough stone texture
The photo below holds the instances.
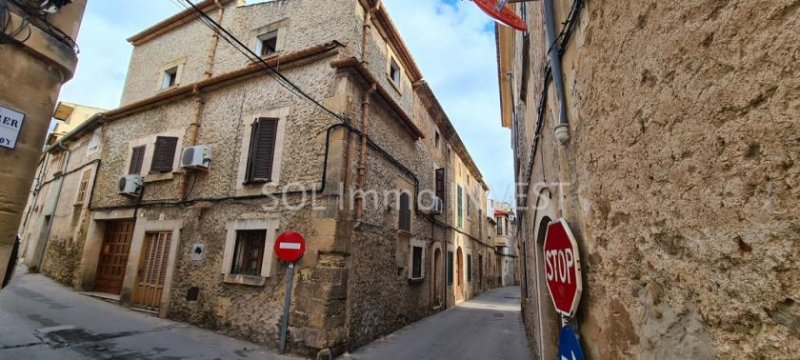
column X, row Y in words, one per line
column 353, row 285
column 683, row 176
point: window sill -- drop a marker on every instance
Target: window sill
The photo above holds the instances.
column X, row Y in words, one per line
column 160, row 177
column 248, row 280
column 416, row 280
column 405, row 232
column 396, row 86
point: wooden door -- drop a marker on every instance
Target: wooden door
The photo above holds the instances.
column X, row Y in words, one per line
column 152, row 270
column 459, row 275
column 113, row 257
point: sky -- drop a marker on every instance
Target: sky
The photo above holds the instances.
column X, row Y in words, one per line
column 452, row 41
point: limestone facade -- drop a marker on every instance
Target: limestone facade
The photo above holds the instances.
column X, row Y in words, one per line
column 361, row 276
column 679, row 177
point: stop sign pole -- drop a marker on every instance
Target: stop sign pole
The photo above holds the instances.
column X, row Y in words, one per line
column 290, row 247
column 562, row 267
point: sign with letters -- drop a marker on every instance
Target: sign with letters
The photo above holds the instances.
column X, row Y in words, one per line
column 10, row 125
column 562, row 266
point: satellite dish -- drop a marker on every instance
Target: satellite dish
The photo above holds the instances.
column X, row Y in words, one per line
column 505, row 16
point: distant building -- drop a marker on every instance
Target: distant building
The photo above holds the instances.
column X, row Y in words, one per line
column 504, row 240
column 210, row 157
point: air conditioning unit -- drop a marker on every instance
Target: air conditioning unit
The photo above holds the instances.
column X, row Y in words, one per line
column 437, row 205
column 131, row 186
column 196, row 157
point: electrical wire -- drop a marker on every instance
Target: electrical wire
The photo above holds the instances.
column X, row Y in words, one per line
column 39, row 18
column 238, row 45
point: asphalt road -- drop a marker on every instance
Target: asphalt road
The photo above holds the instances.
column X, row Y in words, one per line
column 40, row 319
column 487, row 327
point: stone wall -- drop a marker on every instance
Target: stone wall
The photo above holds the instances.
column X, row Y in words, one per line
column 682, row 177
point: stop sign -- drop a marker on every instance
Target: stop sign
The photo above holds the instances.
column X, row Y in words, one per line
column 290, row 246
column 562, row 266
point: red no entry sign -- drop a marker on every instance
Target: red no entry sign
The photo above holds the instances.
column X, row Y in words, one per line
column 290, row 246
column 562, row 267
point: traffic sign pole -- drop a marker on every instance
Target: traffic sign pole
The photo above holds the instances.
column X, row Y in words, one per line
column 287, row 302
column 289, row 247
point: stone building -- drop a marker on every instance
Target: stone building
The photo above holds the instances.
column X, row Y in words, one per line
column 504, row 240
column 38, row 55
column 67, row 167
column 189, row 234
column 667, row 136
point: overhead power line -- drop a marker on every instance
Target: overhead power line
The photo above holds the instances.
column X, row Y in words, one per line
column 237, row 44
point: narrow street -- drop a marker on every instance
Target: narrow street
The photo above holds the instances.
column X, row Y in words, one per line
column 486, row 327
column 40, row 319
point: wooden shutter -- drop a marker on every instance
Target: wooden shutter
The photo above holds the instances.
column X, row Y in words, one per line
column 137, row 158
column 405, row 212
column 416, row 262
column 164, row 154
column 262, row 150
column 440, row 184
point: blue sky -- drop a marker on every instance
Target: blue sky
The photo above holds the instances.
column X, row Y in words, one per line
column 451, row 40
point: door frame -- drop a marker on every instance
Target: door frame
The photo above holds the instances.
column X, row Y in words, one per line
column 144, row 226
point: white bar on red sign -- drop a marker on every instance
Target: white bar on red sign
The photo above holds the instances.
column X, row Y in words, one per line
column 291, row 246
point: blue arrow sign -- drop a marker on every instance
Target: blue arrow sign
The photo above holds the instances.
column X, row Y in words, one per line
column 569, row 347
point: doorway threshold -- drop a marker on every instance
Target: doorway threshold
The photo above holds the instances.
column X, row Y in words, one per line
column 114, row 298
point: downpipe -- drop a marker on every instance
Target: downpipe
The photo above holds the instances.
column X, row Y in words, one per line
column 562, row 129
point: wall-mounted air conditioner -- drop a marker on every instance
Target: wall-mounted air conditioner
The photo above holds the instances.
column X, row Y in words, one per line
column 196, row 157
column 437, row 205
column 131, row 186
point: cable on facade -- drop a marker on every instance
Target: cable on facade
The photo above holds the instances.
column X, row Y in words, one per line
column 252, row 56
column 562, row 39
column 37, row 16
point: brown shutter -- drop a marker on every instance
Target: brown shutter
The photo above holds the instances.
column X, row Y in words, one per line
column 262, row 150
column 440, row 184
column 164, row 154
column 405, row 212
column 137, row 158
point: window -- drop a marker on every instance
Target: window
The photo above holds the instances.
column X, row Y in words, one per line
column 82, row 187
column 262, row 151
column 469, row 206
column 449, row 268
column 164, row 154
column 169, row 78
column 394, row 72
column 460, row 207
column 267, row 44
column 137, row 159
column 94, row 143
column 436, row 140
column 440, row 181
column 405, row 212
column 248, row 252
column 469, row 268
column 416, row 262
column 499, row 226
column 480, row 223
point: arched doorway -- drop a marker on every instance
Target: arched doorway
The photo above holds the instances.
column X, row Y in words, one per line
column 437, row 277
column 459, row 275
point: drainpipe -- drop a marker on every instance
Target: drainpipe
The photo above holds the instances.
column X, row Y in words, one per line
column 194, row 127
column 562, row 129
column 39, row 255
column 362, row 164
